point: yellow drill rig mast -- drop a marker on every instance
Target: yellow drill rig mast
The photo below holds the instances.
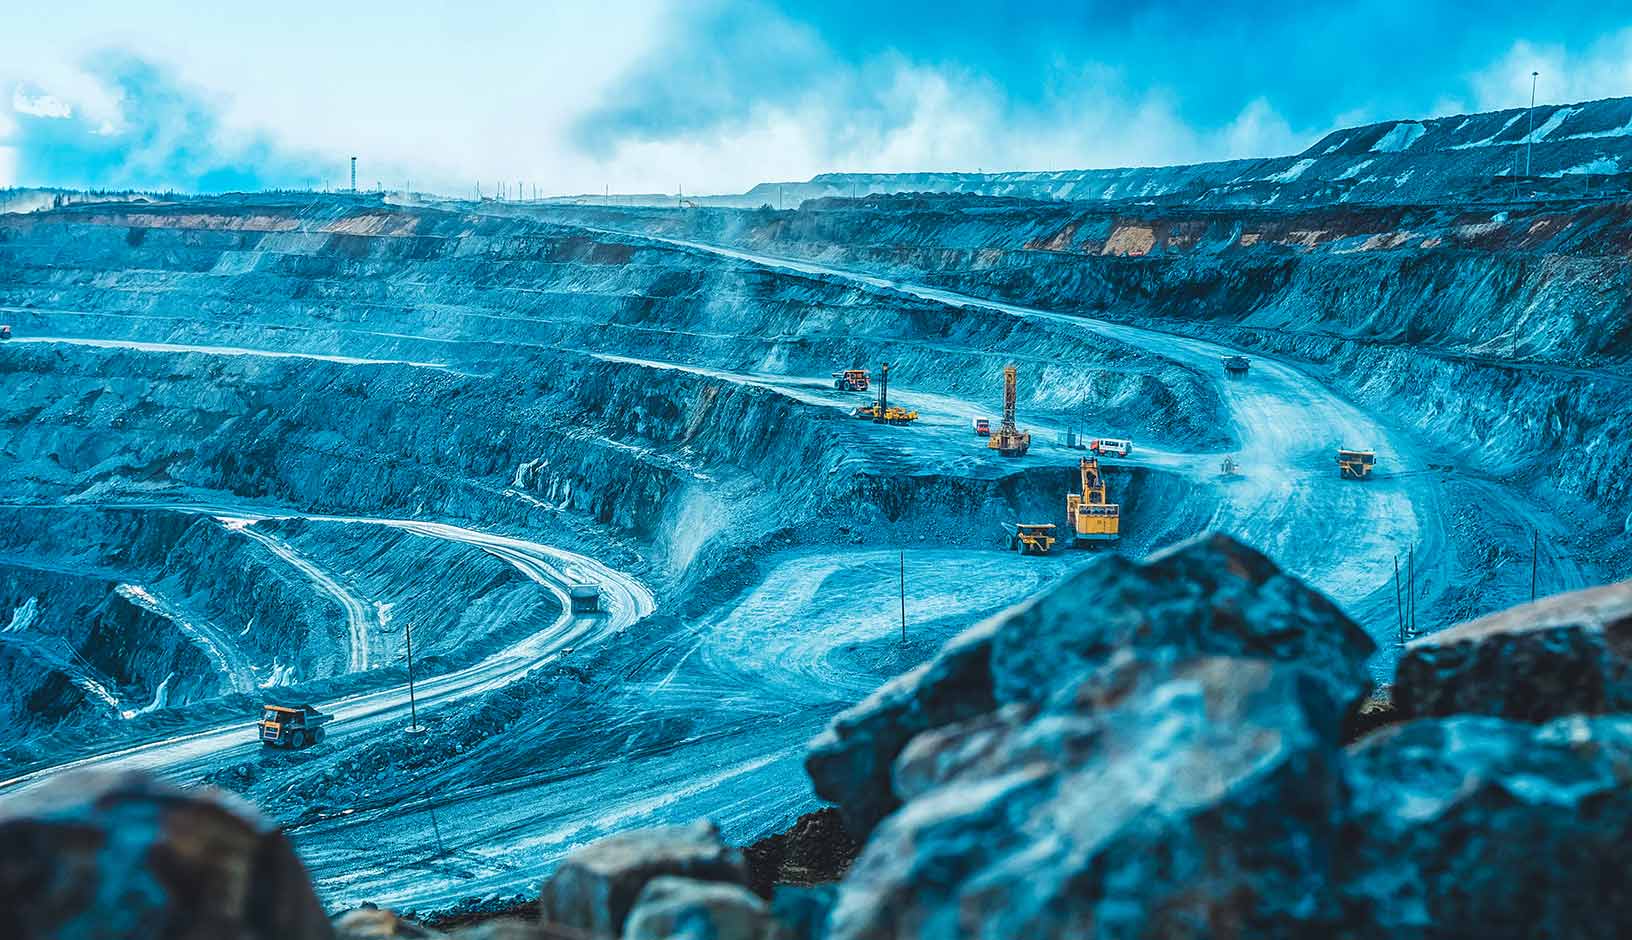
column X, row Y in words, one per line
column 1009, row 440
column 881, row 411
column 1092, row 517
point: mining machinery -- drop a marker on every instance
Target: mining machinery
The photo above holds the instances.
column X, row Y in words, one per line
column 1236, row 366
column 1091, row 516
column 1009, row 440
column 881, row 411
column 1032, row 538
column 291, row 726
column 1355, row 464
column 850, row 380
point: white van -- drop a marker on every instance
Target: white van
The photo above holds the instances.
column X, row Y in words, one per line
column 1110, row 445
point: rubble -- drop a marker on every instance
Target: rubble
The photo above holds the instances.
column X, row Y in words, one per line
column 1154, row 787
column 598, row 885
column 122, row 855
column 688, row 909
column 1562, row 655
column 1480, row 827
column 1211, row 596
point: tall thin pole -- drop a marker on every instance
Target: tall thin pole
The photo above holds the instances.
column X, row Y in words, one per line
column 903, row 595
column 413, row 708
column 1399, row 606
column 1411, row 589
column 1530, row 138
column 1535, row 545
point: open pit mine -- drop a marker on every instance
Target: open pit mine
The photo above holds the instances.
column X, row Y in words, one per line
column 1184, row 552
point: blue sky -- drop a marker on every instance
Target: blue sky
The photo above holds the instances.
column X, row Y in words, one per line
column 651, row 95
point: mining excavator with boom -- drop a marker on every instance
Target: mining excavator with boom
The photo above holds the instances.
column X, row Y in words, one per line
column 1008, row 439
column 1092, row 517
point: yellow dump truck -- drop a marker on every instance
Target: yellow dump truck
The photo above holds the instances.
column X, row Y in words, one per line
column 1033, row 538
column 292, row 726
column 1355, row 464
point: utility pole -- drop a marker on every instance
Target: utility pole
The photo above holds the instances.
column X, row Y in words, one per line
column 903, row 596
column 1411, row 590
column 1530, row 138
column 1399, row 607
column 1535, row 545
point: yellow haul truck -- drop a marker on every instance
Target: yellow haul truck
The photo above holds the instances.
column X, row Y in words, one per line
column 1032, row 538
column 1355, row 464
column 292, row 726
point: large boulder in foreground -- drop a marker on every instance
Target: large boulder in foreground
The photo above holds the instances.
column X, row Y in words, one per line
column 123, row 855
column 1195, row 799
column 1563, row 655
column 672, row 908
column 597, row 886
column 1480, row 827
column 1209, row 596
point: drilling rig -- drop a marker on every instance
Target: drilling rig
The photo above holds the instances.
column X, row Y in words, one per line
column 881, row 411
column 1092, row 517
column 1009, row 440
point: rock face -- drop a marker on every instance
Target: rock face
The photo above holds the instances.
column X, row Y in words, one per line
column 1210, row 596
column 816, row 849
column 1192, row 801
column 94, row 856
column 1570, row 654
column 1479, row 827
column 686, row 909
column 597, row 886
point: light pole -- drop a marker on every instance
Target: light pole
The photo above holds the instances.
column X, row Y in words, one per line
column 1530, row 138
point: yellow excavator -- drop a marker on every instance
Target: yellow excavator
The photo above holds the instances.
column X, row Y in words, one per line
column 1092, row 517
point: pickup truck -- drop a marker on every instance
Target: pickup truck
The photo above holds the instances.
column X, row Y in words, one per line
column 292, row 726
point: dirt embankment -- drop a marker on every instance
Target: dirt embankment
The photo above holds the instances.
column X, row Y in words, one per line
column 1502, row 336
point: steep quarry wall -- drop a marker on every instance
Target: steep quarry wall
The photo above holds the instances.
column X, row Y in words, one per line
column 1502, row 336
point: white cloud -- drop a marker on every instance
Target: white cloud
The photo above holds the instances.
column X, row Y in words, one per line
column 447, row 99
column 1602, row 69
column 39, row 105
column 8, row 166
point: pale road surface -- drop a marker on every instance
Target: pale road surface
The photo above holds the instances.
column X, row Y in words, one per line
column 625, row 599
column 362, row 623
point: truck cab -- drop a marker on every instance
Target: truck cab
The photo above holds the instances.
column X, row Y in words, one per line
column 982, row 426
column 291, row 726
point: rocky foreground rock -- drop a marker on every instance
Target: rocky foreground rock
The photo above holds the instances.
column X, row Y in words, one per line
column 1149, row 750
column 1564, row 655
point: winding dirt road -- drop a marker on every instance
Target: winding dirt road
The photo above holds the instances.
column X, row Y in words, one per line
column 625, row 600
